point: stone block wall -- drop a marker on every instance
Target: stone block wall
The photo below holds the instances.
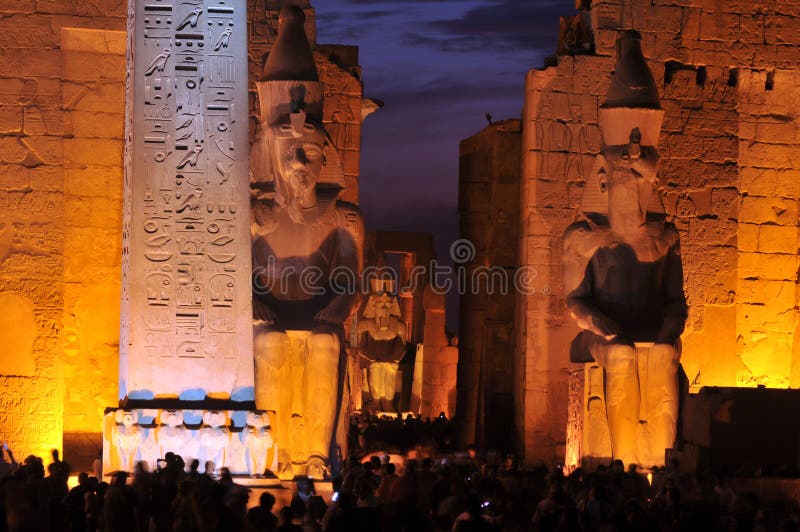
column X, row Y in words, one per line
column 93, row 113
column 727, row 74
column 62, row 72
column 489, row 180
column 56, row 192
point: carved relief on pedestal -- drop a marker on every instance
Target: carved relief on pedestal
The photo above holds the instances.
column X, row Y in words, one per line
column 171, row 435
column 239, row 440
column 623, row 276
column 215, row 436
column 128, row 437
column 258, row 441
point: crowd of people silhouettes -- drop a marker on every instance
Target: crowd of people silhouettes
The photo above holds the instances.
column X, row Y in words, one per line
column 449, row 491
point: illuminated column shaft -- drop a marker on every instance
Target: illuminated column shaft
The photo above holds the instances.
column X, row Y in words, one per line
column 186, row 303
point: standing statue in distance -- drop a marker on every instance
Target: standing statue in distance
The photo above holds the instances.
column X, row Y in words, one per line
column 307, row 249
column 622, row 269
column 382, row 341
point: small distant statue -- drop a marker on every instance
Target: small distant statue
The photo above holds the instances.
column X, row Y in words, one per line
column 622, row 269
column 128, row 438
column 258, row 441
column 303, row 236
column 171, row 434
column 214, row 436
column 382, row 341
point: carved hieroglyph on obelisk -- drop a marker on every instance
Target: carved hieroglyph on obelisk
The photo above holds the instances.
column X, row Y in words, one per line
column 186, row 302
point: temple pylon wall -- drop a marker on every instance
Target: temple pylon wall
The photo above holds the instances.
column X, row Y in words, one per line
column 727, row 74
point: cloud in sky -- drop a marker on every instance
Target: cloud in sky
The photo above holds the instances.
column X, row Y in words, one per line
column 501, row 25
column 397, row 2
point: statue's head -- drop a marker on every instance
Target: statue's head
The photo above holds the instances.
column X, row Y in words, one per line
column 171, row 418
column 258, row 419
column 127, row 417
column 299, row 152
column 214, row 418
column 381, row 307
column 623, row 182
column 298, row 159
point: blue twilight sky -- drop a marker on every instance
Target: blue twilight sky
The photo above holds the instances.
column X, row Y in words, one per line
column 439, row 66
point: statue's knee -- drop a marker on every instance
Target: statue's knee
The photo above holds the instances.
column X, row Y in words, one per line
column 269, row 346
column 663, row 356
column 323, row 356
column 324, row 342
column 621, row 359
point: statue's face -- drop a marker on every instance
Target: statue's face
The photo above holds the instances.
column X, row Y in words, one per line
column 629, row 177
column 383, row 309
column 172, row 419
column 128, row 419
column 299, row 156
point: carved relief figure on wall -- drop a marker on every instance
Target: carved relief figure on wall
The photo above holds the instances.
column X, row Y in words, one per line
column 302, row 236
column 382, row 342
column 622, row 269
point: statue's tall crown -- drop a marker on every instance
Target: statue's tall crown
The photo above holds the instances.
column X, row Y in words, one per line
column 632, row 100
column 291, row 97
column 291, row 58
column 289, row 81
column 382, row 286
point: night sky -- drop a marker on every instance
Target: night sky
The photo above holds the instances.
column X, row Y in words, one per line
column 439, row 66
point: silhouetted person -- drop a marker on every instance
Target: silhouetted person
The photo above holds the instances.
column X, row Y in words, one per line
column 93, row 502
column 143, row 493
column 286, row 524
column 305, row 490
column 76, row 505
column 118, row 514
column 194, row 468
column 261, row 518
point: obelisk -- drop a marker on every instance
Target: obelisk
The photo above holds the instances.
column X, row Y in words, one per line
column 186, row 301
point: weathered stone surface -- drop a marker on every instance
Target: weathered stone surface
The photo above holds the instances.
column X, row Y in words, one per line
column 17, row 333
column 437, row 363
column 489, row 177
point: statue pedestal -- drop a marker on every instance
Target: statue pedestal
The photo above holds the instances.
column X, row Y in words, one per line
column 588, row 436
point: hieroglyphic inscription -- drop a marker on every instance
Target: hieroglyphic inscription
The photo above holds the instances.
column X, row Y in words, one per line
column 187, row 260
